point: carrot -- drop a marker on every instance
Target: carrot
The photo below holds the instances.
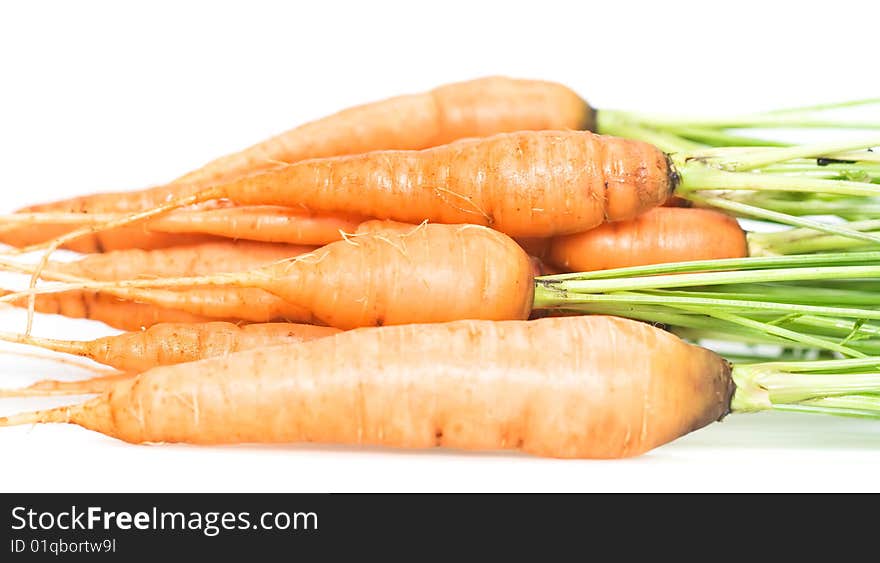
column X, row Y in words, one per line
column 174, row 343
column 535, row 246
column 574, row 387
column 475, row 108
column 121, row 238
column 527, row 184
column 662, row 235
column 208, row 258
column 189, row 260
column 264, row 223
column 395, row 275
column 676, row 201
column 114, row 312
column 51, row 387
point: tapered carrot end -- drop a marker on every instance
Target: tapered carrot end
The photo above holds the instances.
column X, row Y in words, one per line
column 60, row 415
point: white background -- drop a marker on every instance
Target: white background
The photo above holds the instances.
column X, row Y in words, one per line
column 111, row 95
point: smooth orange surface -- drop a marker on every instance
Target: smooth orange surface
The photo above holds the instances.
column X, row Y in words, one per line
column 660, row 236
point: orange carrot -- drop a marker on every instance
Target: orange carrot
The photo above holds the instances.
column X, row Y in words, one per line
column 194, row 260
column 662, row 235
column 574, row 387
column 114, row 312
column 427, row 273
column 476, row 108
column 535, row 246
column 523, row 184
column 135, row 236
column 175, row 343
column 526, row 184
column 189, row 260
column 184, row 227
column 53, row 387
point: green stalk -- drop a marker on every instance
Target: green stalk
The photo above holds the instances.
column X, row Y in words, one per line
column 788, row 118
column 759, row 157
column 851, row 209
column 799, row 294
column 802, row 386
column 744, row 209
column 587, row 285
column 696, row 175
column 718, row 137
column 613, row 123
column 760, row 244
column 730, row 297
column 726, row 264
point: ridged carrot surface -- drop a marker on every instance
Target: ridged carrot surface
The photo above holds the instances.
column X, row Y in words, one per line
column 525, row 184
column 571, row 387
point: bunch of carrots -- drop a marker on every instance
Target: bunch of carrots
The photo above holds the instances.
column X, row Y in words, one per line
column 452, row 268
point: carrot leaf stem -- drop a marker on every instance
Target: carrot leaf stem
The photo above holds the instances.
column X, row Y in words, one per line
column 803, row 386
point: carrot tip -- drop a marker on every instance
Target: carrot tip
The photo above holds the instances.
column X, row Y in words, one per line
column 61, row 414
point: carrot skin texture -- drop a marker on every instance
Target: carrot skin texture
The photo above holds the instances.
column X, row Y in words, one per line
column 164, row 307
column 176, row 343
column 199, row 259
column 261, row 223
column 162, row 345
column 402, row 274
column 110, row 310
column 202, row 303
column 476, row 108
column 525, row 184
column 105, row 241
column 662, row 235
column 187, row 227
column 483, row 387
column 427, row 273
column 53, row 387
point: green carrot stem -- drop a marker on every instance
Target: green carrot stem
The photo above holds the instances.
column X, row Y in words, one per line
column 696, row 175
column 791, row 335
column 587, row 285
column 780, row 292
column 721, row 138
column 616, row 124
column 825, row 365
column 827, row 406
column 848, row 208
column 814, row 108
column 744, row 209
column 769, row 155
column 793, row 388
column 726, row 264
column 827, row 243
column 789, row 119
column 766, row 386
column 544, row 298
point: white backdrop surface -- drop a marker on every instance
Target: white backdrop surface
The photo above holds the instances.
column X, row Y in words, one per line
column 111, row 95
